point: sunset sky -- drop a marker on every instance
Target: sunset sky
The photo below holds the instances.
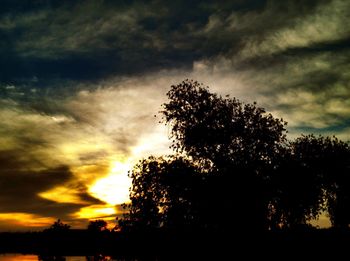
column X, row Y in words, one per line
column 81, row 81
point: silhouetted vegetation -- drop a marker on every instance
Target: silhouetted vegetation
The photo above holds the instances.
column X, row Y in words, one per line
column 235, row 170
column 162, row 195
column 97, row 226
column 58, row 227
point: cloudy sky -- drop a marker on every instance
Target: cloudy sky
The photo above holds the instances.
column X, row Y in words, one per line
column 81, row 81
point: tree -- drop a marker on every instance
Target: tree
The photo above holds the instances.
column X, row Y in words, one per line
column 58, row 227
column 240, row 141
column 96, row 226
column 234, row 169
column 312, row 176
column 330, row 157
column 298, row 193
column 162, row 194
column 207, row 126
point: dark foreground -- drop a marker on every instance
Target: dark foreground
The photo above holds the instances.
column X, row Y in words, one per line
column 281, row 245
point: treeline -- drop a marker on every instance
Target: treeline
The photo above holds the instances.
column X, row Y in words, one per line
column 235, row 170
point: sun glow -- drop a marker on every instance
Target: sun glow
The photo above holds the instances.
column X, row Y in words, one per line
column 114, row 188
column 96, row 211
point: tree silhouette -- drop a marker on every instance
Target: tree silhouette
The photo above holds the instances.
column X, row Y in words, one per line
column 162, row 193
column 230, row 149
column 96, row 226
column 329, row 158
column 234, row 169
column 223, row 130
column 58, row 226
column 298, row 186
column 240, row 142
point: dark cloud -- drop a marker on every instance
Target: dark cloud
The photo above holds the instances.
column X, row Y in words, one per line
column 20, row 185
column 105, row 38
column 45, row 46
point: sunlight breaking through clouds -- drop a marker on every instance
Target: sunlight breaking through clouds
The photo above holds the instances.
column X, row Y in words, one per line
column 114, row 188
column 79, row 93
column 96, row 211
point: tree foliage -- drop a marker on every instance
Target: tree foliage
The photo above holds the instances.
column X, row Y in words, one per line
column 161, row 193
column 58, row 227
column 328, row 158
column 234, row 168
column 98, row 225
column 240, row 140
column 298, row 193
column 205, row 125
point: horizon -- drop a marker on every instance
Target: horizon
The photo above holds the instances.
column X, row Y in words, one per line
column 81, row 84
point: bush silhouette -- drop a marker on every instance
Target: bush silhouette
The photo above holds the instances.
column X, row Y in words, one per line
column 58, row 227
column 96, row 226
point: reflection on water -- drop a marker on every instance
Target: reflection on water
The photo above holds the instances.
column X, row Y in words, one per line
column 20, row 257
column 15, row 257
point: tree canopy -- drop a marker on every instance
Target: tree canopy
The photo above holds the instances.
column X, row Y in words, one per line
column 58, row 227
column 234, row 168
column 98, row 225
column 162, row 193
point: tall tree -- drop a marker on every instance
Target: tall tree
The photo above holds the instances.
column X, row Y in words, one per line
column 330, row 157
column 297, row 187
column 313, row 176
column 236, row 170
column 240, row 141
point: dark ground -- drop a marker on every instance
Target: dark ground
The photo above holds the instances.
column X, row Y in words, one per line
column 281, row 245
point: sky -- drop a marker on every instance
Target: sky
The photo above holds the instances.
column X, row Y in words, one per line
column 81, row 82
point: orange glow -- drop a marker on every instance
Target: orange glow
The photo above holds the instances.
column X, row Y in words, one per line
column 16, row 257
column 95, row 211
column 26, row 220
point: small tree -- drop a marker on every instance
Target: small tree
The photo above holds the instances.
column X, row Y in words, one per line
column 58, row 226
column 96, row 226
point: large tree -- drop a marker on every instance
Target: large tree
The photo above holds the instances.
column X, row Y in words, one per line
column 235, row 169
column 240, row 142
